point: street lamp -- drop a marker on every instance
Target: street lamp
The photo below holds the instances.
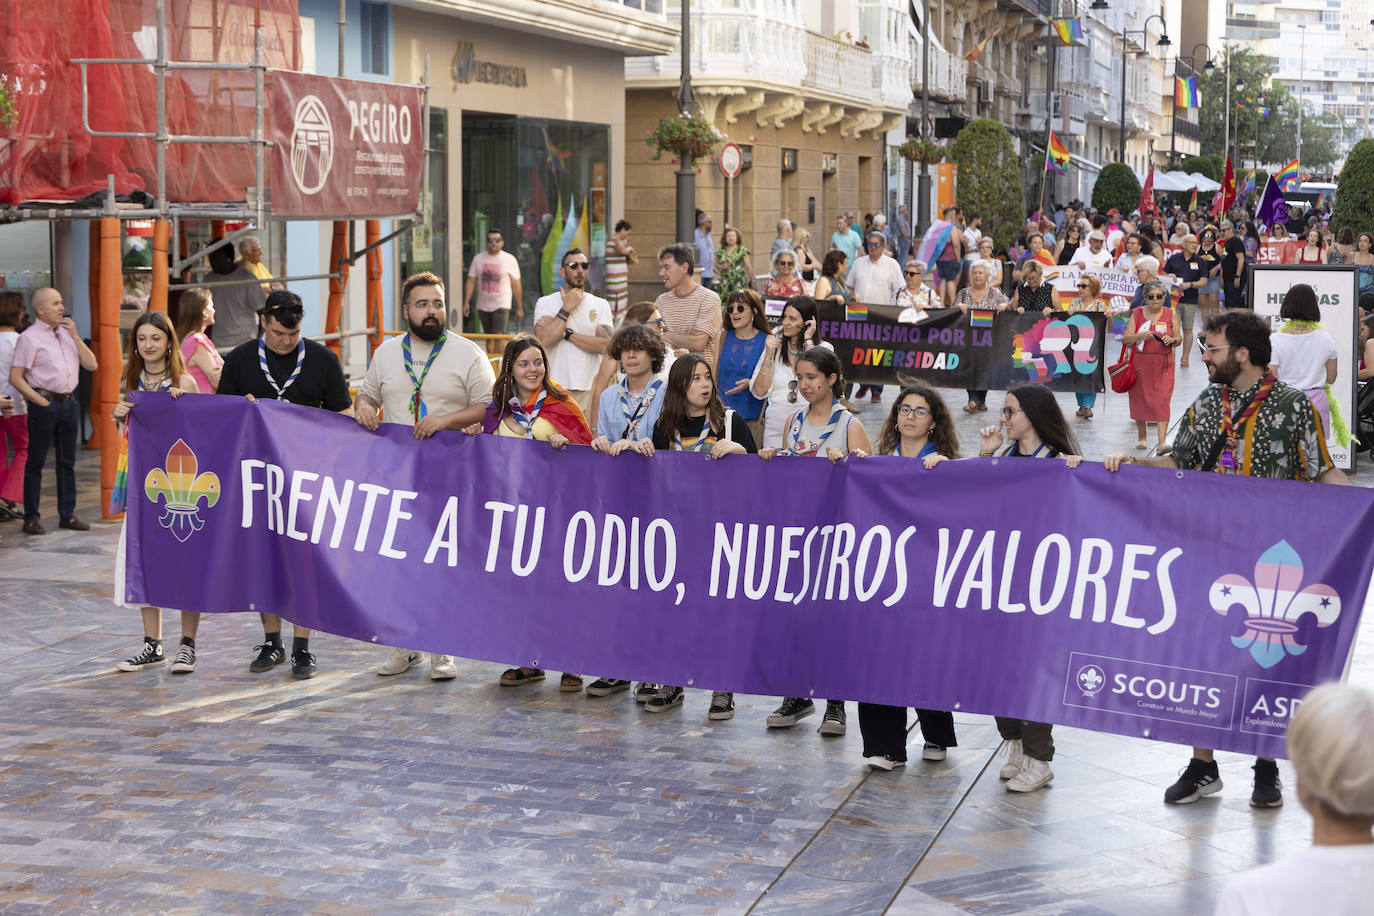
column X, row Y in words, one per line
column 1240, row 89
column 1302, row 72
column 1164, row 42
column 923, row 180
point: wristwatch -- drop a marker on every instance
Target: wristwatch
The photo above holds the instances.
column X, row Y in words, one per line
column 567, row 333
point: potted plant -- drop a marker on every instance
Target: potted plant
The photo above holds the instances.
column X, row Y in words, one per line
column 914, row 149
column 689, row 137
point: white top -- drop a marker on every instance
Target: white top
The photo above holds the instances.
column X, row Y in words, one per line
column 1301, row 358
column 875, row 283
column 460, row 377
column 570, row 365
column 779, row 409
column 494, row 273
column 1330, row 880
column 971, row 239
column 7, row 341
column 1085, row 257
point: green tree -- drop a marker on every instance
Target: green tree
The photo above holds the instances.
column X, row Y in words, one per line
column 1116, row 187
column 1354, row 204
column 990, row 178
column 1210, row 166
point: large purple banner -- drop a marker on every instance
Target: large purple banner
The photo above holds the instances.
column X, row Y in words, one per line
column 1174, row 605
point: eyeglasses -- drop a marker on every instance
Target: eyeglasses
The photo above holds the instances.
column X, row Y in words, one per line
column 1154, row 296
column 577, row 265
column 1082, row 286
column 659, row 322
column 1009, row 412
column 739, row 308
column 1204, row 349
column 786, row 263
column 913, row 273
column 906, row 411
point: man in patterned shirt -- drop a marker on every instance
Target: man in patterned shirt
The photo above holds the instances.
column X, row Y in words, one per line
column 1245, row 422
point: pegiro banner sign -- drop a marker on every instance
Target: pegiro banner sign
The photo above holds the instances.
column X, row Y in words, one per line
column 1017, row 588
column 345, row 147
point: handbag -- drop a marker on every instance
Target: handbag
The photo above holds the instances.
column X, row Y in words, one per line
column 1122, row 372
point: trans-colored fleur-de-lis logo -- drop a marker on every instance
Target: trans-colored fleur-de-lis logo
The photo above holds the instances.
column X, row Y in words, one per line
column 181, row 490
column 1273, row 603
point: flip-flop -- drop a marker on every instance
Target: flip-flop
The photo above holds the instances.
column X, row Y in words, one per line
column 516, row 677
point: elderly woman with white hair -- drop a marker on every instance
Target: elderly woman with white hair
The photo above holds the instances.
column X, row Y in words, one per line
column 982, row 296
column 914, row 299
column 1146, row 269
column 1331, row 744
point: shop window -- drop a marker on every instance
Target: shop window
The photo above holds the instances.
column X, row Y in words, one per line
column 376, row 34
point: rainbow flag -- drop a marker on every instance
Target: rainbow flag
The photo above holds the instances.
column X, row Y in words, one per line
column 1249, row 186
column 1056, row 156
column 978, row 49
column 1045, row 256
column 1287, row 177
column 1186, row 93
column 981, row 319
column 1068, row 30
column 854, row 311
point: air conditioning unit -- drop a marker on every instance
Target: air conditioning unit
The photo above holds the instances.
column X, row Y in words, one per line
column 983, row 90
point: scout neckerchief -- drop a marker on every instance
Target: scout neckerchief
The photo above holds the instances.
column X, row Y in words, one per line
column 417, row 406
column 632, row 417
column 262, row 361
column 1339, row 428
column 794, row 434
column 700, row 443
column 1041, row 451
column 1230, row 426
column 526, row 416
column 119, row 494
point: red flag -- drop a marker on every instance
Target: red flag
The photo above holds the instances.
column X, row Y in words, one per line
column 1228, row 188
column 1147, row 196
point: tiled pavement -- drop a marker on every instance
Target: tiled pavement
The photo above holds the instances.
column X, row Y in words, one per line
column 227, row 792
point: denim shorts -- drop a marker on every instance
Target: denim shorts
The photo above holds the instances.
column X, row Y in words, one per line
column 1213, row 286
column 949, row 270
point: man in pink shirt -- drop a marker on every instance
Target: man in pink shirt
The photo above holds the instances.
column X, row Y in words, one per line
column 48, row 360
column 495, row 274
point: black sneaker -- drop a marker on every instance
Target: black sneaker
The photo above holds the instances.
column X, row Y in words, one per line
column 185, row 661
column 666, row 698
column 722, row 706
column 1198, row 778
column 152, row 656
column 1268, row 791
column 833, row 722
column 792, row 710
column 270, row 655
column 605, row 686
column 303, row 665
column 645, row 692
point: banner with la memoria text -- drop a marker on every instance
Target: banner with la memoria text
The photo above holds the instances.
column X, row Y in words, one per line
column 1007, row 586
column 948, row 348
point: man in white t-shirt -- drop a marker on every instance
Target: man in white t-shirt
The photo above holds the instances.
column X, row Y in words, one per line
column 496, row 275
column 875, row 278
column 574, row 326
column 1095, row 255
column 431, row 380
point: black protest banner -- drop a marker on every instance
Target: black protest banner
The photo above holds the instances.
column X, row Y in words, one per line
column 884, row 344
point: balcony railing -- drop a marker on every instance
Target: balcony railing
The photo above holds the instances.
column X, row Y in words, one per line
column 838, row 67
column 948, row 72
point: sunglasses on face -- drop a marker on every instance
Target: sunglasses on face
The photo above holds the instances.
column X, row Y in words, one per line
column 786, row 263
column 577, row 265
column 1082, row 286
column 659, row 323
column 1154, row 296
column 738, row 308
column 913, row 273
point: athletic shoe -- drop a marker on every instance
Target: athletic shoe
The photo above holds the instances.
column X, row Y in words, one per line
column 874, row 397
column 152, row 656
column 833, row 722
column 666, row 698
column 1198, row 778
column 605, row 686
column 442, row 668
column 790, row 712
column 1034, row 774
column 399, row 661
column 884, row 763
column 303, row 665
column 645, row 692
column 1016, row 758
column 722, row 706
column 270, row 655
column 932, row 752
column 185, row 661
column 1268, row 791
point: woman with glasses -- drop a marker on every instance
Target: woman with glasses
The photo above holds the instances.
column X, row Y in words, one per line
column 1033, row 294
column 1089, row 299
column 985, row 254
column 1209, row 296
column 734, row 269
column 774, row 378
column 979, row 295
column 746, row 336
column 1032, row 426
column 914, row 299
column 1153, row 332
column 919, row 426
column 821, row 428
column 1135, row 247
column 784, row 282
column 1070, row 243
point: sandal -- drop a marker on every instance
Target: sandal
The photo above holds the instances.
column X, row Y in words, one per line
column 1141, row 445
column 519, row 677
column 982, row 406
column 1087, row 413
column 971, row 407
column 570, row 683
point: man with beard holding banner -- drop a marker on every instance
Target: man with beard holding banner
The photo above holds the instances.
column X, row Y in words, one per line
column 431, row 380
column 1246, row 422
column 282, row 365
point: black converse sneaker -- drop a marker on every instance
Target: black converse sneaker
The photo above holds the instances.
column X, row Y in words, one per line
column 152, row 656
column 722, row 706
column 790, row 712
column 666, row 698
column 605, row 686
column 833, row 722
column 185, row 661
column 1199, row 778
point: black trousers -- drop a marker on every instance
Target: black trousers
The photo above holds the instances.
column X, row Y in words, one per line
column 884, row 729
column 53, row 426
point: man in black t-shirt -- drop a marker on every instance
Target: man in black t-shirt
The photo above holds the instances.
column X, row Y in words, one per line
column 282, row 365
column 1188, row 271
column 1233, row 267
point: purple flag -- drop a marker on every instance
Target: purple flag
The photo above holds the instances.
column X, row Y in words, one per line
column 1272, row 207
column 1021, row 588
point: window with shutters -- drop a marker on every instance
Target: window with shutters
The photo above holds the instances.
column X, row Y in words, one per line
column 376, row 22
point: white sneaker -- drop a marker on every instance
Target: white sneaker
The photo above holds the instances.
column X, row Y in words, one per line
column 1016, row 758
column 442, row 668
column 399, row 661
column 1033, row 775
column 932, row 752
column 886, row 764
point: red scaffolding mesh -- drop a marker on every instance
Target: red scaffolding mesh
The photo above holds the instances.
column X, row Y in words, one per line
column 48, row 155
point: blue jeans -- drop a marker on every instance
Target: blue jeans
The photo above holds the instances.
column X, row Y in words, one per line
column 1086, row 398
column 54, row 425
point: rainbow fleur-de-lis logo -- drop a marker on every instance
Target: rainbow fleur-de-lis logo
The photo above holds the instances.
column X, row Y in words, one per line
column 181, row 489
column 1273, row 604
